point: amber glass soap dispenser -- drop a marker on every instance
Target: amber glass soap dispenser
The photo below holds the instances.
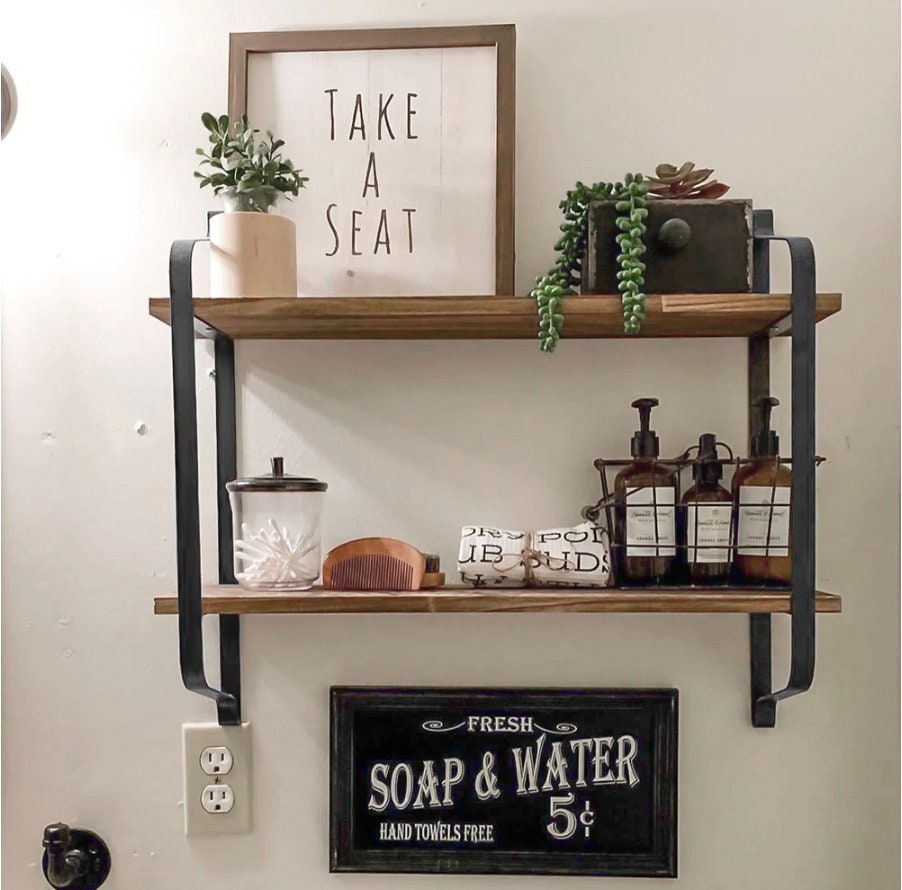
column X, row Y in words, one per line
column 709, row 517
column 761, row 494
column 645, row 495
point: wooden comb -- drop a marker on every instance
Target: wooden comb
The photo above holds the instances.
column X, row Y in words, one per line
column 432, row 577
column 378, row 564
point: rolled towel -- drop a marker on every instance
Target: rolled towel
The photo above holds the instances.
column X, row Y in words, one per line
column 578, row 556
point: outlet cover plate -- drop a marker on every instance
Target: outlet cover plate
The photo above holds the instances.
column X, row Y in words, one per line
column 196, row 737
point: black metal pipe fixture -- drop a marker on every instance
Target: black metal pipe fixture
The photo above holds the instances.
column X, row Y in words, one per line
column 74, row 858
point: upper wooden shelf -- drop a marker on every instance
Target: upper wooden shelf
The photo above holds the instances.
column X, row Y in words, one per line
column 234, row 600
column 479, row 318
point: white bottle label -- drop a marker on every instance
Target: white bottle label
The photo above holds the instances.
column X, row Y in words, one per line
column 650, row 526
column 761, row 506
column 708, row 532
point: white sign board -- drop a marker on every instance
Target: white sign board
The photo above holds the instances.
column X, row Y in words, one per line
column 400, row 148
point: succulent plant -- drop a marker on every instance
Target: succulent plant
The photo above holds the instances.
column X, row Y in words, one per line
column 683, row 182
column 631, row 200
column 630, row 196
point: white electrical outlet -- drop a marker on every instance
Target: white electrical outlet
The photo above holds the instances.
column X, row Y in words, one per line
column 216, row 799
column 216, row 760
column 217, row 778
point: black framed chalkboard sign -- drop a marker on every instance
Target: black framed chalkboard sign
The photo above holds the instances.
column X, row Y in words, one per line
column 504, row 781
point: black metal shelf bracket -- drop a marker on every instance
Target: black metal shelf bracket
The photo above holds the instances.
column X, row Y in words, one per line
column 802, row 515
column 187, row 511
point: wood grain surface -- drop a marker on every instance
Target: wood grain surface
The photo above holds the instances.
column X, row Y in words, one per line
column 461, row 318
column 233, row 600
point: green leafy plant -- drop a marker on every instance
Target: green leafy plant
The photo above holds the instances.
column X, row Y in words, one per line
column 631, row 198
column 252, row 174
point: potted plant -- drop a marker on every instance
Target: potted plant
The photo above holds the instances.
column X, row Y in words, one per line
column 253, row 251
column 667, row 233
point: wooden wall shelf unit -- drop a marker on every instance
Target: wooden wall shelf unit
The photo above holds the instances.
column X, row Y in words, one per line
column 229, row 599
column 758, row 317
column 487, row 318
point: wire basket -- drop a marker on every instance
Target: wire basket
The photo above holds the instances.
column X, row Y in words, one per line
column 677, row 548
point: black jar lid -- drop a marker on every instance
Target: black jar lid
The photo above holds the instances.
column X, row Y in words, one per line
column 276, row 481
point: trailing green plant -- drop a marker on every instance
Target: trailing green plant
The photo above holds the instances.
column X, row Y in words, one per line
column 251, row 173
column 630, row 197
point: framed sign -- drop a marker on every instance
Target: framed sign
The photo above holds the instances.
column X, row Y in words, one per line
column 407, row 136
column 504, row 781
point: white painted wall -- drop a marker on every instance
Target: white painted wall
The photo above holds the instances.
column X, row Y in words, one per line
column 794, row 104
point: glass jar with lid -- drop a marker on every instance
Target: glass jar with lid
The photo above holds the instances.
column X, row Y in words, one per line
column 276, row 529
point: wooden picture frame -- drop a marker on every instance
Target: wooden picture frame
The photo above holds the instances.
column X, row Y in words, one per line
column 476, row 808
column 243, row 46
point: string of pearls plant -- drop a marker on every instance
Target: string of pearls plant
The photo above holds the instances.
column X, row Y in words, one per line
column 630, row 198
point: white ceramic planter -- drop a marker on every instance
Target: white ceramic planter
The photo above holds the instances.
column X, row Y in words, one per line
column 253, row 255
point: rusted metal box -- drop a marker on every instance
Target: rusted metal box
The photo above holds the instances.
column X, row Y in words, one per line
column 707, row 251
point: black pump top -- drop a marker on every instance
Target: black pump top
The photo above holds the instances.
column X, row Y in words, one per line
column 707, row 470
column 645, row 441
column 765, row 443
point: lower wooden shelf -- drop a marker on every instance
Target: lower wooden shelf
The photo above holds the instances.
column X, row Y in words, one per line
column 234, row 600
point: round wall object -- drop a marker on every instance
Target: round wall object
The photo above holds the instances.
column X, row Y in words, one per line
column 9, row 101
column 96, row 858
